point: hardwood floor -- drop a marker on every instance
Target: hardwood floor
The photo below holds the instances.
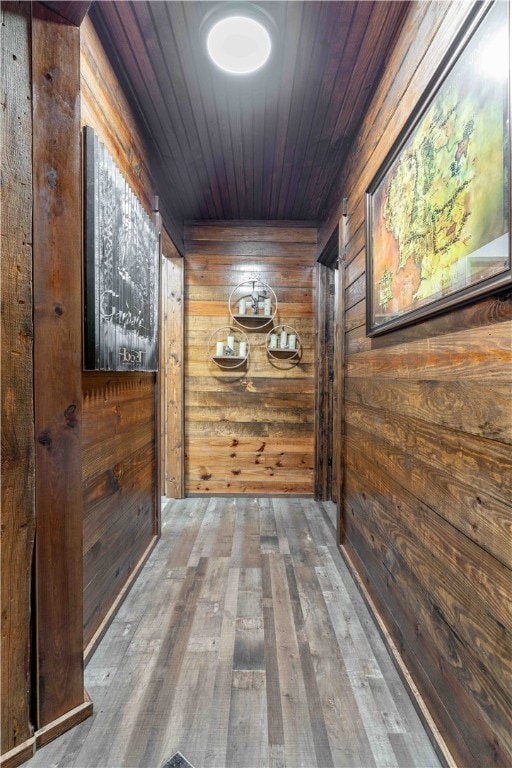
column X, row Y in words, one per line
column 244, row 643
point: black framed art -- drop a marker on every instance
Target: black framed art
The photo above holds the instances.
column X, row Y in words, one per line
column 121, row 275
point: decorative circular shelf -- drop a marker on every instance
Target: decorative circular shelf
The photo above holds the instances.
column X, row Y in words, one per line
column 253, row 304
column 288, row 344
column 227, row 338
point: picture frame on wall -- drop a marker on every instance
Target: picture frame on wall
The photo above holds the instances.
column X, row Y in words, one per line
column 438, row 210
column 121, row 269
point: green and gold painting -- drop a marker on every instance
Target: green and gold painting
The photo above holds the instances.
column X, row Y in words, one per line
column 438, row 215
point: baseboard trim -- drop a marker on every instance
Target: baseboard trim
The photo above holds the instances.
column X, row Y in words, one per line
column 98, row 635
column 19, row 755
column 64, row 723
column 426, row 718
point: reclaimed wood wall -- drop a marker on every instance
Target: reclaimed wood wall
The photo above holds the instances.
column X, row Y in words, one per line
column 427, row 459
column 250, row 432
column 17, row 452
column 119, row 409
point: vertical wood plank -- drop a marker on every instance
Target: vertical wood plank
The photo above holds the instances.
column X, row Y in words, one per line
column 57, row 362
column 322, row 415
column 339, row 382
column 172, row 375
column 17, row 487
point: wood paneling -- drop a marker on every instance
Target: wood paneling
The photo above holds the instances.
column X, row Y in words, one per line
column 250, row 432
column 427, row 458
column 17, row 501
column 271, row 149
column 57, row 329
column 118, row 485
column 121, row 500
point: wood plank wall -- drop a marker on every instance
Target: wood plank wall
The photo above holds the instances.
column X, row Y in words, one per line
column 119, row 471
column 427, row 452
column 17, row 487
column 248, row 433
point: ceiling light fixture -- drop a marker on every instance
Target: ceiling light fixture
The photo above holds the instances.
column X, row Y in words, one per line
column 238, row 38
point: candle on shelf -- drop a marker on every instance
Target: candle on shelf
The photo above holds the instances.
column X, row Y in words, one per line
column 273, row 341
column 292, row 338
column 243, row 349
column 220, row 349
column 231, row 344
column 284, row 338
column 267, row 307
column 241, row 307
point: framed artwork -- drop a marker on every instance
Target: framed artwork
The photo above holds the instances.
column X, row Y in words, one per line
column 438, row 211
column 122, row 247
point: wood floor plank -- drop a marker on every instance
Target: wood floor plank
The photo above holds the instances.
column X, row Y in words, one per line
column 298, row 735
column 218, row 723
column 244, row 643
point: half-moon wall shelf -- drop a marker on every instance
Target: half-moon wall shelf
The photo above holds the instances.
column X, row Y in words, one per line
column 284, row 343
column 228, row 347
column 253, row 304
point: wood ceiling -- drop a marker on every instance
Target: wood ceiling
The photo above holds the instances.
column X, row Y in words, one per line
column 267, row 146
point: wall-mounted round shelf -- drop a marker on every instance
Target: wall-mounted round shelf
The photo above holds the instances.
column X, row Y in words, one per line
column 253, row 304
column 284, row 343
column 228, row 347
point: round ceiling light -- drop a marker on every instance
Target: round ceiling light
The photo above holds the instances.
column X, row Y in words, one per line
column 239, row 44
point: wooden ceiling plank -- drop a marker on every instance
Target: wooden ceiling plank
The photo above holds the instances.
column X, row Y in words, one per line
column 293, row 26
column 178, row 73
column 140, row 86
column 331, row 19
column 334, row 85
column 301, row 88
column 161, row 87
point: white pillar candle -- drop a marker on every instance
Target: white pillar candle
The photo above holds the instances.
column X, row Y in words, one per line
column 220, row 348
column 292, row 338
column 267, row 307
column 243, row 349
column 241, row 307
column 283, row 339
column 231, row 343
column 273, row 341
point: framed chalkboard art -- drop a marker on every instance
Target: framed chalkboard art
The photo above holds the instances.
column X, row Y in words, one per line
column 121, row 276
column 438, row 210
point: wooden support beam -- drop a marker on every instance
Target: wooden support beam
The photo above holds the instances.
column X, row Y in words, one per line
column 57, row 364
column 172, row 371
column 17, row 499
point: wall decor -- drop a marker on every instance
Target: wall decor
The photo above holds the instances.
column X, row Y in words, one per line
column 284, row 343
column 122, row 247
column 228, row 347
column 253, row 304
column 438, row 210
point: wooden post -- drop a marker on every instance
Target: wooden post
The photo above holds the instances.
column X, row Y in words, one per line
column 172, row 371
column 57, row 363
column 339, row 386
column 18, row 513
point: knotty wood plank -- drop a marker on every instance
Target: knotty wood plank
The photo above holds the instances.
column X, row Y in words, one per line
column 479, row 516
column 475, row 408
column 172, row 376
column 17, row 488
column 57, row 329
